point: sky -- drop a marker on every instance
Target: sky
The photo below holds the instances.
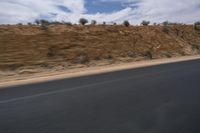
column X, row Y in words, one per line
column 23, row 11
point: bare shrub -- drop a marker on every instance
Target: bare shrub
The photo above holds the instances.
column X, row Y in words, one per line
column 126, row 23
column 44, row 24
column 131, row 54
column 51, row 52
column 19, row 24
column 165, row 23
column 83, row 21
column 97, row 58
column 165, row 29
column 197, row 25
column 196, row 46
column 114, row 23
column 82, row 59
column 93, row 22
column 56, row 23
column 148, row 54
column 37, row 22
column 145, row 23
column 68, row 24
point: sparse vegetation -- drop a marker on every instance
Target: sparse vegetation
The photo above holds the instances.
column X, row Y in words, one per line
column 114, row 23
column 50, row 52
column 82, row 59
column 68, row 24
column 148, row 55
column 165, row 23
column 44, row 24
column 71, row 44
column 55, row 23
column 126, row 23
column 165, row 29
column 83, row 21
column 93, row 22
column 145, row 23
column 37, row 22
column 197, row 25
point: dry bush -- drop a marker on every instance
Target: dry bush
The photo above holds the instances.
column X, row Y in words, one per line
column 51, row 52
column 126, row 23
column 197, row 25
column 83, row 21
column 165, row 29
column 93, row 22
column 44, row 24
column 145, row 23
column 82, row 59
column 165, row 23
column 148, row 54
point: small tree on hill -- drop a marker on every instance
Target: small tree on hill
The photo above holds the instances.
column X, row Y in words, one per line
column 43, row 21
column 44, row 24
column 196, row 25
column 37, row 22
column 93, row 22
column 114, row 23
column 126, row 23
column 165, row 23
column 19, row 24
column 68, row 24
column 83, row 21
column 145, row 23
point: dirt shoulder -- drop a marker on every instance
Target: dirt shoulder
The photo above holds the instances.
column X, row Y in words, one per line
column 43, row 76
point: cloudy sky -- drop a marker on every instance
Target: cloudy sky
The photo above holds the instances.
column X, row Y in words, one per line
column 15, row 11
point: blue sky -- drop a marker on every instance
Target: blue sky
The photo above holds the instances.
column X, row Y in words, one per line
column 94, row 6
column 15, row 11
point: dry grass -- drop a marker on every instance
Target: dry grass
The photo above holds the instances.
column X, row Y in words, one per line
column 29, row 46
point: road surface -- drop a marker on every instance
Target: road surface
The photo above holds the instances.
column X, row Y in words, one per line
column 158, row 99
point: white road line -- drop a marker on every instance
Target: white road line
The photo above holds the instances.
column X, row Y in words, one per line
column 66, row 90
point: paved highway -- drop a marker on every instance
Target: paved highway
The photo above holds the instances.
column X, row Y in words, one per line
column 158, row 99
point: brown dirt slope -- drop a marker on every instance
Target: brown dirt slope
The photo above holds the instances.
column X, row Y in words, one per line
column 24, row 46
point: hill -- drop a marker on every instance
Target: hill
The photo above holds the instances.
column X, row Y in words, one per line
column 29, row 46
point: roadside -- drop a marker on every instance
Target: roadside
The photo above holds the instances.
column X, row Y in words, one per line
column 103, row 67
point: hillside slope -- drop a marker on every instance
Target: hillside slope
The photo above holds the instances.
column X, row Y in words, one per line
column 30, row 46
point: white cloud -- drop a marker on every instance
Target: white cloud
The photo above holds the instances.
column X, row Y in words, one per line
column 14, row 11
column 186, row 11
column 173, row 10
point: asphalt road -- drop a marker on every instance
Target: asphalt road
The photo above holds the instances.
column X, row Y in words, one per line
column 158, row 99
